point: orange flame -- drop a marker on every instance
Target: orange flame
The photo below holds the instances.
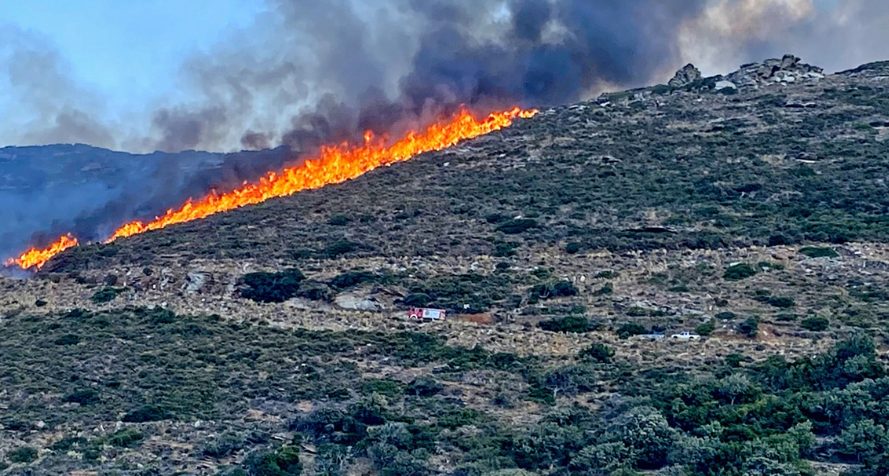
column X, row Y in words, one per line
column 333, row 164
column 38, row 257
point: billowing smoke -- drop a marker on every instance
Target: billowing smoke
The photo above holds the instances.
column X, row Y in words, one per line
column 337, row 68
column 309, row 72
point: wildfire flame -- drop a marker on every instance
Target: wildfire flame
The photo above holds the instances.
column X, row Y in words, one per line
column 37, row 257
column 333, row 164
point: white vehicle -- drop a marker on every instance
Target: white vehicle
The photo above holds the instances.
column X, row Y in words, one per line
column 685, row 336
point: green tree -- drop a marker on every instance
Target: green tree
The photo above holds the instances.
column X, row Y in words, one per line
column 646, row 432
column 865, row 441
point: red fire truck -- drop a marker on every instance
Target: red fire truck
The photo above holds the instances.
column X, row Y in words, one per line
column 426, row 314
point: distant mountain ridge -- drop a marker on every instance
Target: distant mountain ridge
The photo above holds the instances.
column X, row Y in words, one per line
column 76, row 187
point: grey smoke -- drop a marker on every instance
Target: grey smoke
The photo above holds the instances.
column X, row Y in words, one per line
column 344, row 66
column 48, row 105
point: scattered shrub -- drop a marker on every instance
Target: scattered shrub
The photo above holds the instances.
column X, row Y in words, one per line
column 315, row 291
column 578, row 324
column 339, row 248
column 271, row 287
column 726, row 315
column 67, row 339
column 126, row 438
column 749, row 327
column 605, row 290
column 338, row 220
column 818, row 252
column 281, row 462
column 737, row 272
column 630, row 329
column 223, row 445
column 552, row 289
column 782, row 302
column 352, row 278
column 424, row 387
column 517, row 225
column 597, row 352
column 106, row 295
column 417, row 300
column 815, row 324
column 706, row 328
column 22, row 454
column 504, row 249
column 84, row 397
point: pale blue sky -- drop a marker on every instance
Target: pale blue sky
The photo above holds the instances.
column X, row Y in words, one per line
column 128, row 49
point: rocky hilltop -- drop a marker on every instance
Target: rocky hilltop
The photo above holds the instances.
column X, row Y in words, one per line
column 748, row 210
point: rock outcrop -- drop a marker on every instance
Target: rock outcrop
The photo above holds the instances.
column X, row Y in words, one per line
column 788, row 69
column 687, row 75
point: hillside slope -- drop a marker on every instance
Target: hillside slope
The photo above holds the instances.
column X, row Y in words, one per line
column 781, row 164
column 750, row 210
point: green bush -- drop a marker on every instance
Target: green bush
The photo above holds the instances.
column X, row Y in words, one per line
column 315, row 291
column 737, row 272
column 339, row 248
column 352, row 278
column 578, row 324
column 517, row 225
column 630, row 329
column 782, row 302
column 106, row 295
column 706, row 328
column 597, row 352
column 223, row 445
column 86, row 396
column 22, row 454
column 749, row 327
column 819, row 252
column 126, row 438
column 338, row 220
column 573, row 247
column 553, row 289
column 67, row 339
column 417, row 300
column 424, row 387
column 281, row 462
column 815, row 324
column 271, row 287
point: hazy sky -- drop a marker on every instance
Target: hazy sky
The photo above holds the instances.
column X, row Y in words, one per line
column 96, row 71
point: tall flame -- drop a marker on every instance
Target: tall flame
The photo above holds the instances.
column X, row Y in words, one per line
column 37, row 257
column 333, row 164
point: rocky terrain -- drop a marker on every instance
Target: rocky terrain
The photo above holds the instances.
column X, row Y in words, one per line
column 749, row 209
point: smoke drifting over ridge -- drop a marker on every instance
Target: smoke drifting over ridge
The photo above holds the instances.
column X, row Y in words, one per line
column 338, row 68
column 308, row 72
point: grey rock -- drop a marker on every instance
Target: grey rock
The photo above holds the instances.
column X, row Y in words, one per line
column 357, row 303
column 687, row 75
column 194, row 282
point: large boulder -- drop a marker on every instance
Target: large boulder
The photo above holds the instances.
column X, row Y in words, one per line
column 687, row 75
